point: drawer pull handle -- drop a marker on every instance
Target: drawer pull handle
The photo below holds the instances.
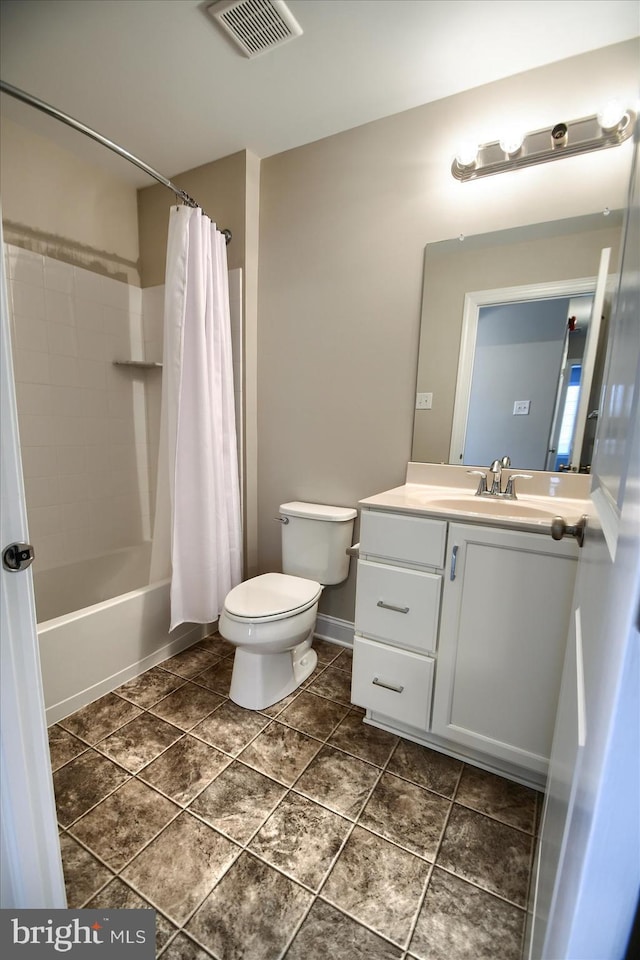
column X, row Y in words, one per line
column 454, row 561
column 391, row 606
column 387, row 686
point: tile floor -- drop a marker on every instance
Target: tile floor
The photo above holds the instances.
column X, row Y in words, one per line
column 296, row 832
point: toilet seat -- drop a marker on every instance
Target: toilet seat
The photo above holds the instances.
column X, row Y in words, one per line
column 271, row 596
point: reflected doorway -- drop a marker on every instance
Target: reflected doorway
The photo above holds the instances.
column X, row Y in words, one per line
column 520, row 399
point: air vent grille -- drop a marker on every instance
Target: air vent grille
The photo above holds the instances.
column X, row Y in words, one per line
column 256, row 25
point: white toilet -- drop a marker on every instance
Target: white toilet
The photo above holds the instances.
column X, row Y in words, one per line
column 271, row 618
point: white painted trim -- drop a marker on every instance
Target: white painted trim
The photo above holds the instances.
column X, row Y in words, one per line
column 472, row 303
column 31, row 865
column 589, row 359
column 334, row 630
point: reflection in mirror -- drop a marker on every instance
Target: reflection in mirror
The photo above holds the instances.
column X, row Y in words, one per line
column 522, row 355
column 498, row 339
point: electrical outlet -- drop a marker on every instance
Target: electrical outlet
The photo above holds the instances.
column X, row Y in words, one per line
column 424, row 401
column 521, row 408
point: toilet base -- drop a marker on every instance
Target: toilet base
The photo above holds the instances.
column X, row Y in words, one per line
column 262, row 679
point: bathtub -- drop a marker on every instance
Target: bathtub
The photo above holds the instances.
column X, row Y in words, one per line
column 100, row 623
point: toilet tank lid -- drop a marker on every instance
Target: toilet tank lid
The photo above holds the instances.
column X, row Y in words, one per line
column 317, row 511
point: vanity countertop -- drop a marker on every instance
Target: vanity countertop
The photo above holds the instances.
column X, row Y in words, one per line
column 448, row 493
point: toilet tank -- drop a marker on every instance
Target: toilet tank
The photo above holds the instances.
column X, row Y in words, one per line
column 315, row 538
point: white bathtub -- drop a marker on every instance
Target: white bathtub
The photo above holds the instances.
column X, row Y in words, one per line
column 104, row 625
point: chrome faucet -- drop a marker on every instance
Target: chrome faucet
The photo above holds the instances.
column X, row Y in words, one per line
column 510, row 490
column 482, row 485
column 496, row 468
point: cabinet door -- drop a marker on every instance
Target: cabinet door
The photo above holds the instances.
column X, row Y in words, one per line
column 503, row 631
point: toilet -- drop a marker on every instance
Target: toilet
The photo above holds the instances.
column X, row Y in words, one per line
column 270, row 619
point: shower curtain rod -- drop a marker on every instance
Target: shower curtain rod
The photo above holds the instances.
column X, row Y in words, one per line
column 88, row 132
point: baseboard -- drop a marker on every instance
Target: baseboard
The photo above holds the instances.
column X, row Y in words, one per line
column 334, row 630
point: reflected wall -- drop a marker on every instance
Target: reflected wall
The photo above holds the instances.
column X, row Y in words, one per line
column 534, row 254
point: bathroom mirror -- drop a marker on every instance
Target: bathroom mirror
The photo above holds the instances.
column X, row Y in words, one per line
column 484, row 341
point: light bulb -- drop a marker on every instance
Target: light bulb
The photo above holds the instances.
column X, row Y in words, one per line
column 511, row 142
column 467, row 154
column 611, row 116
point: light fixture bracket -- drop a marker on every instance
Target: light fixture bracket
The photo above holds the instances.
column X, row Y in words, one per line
column 549, row 143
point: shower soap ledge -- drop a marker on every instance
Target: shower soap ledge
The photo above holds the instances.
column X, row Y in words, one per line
column 140, row 364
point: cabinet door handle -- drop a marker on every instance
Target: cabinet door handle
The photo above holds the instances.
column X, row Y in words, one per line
column 391, row 606
column 387, row 686
column 454, row 560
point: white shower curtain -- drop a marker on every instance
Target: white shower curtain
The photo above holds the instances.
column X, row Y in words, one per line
column 197, row 538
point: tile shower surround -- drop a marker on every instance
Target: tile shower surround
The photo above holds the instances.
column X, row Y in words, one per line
column 83, row 422
column 89, row 430
column 294, row 832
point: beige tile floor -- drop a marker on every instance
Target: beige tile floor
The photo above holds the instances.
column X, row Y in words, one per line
column 296, row 832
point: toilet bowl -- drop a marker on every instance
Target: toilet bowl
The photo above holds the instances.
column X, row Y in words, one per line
column 270, row 618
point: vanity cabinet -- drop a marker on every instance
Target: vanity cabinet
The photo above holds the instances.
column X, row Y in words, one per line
column 398, row 595
column 505, row 616
column 460, row 632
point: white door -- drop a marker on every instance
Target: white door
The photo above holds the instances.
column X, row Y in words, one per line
column 588, row 872
column 30, row 851
column 589, row 360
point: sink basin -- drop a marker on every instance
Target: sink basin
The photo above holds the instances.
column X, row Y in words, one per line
column 516, row 509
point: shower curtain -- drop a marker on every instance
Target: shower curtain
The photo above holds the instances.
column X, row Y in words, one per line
column 197, row 538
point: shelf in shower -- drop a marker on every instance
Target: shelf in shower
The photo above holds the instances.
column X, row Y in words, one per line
column 140, row 364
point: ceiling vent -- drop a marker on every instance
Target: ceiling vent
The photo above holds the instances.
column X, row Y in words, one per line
column 255, row 25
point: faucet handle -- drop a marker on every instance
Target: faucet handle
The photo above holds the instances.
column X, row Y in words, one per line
column 482, row 485
column 510, row 489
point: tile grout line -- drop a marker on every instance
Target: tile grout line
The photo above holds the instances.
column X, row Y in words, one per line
column 458, row 876
column 345, row 840
column 316, row 894
column 182, row 807
column 289, row 789
column 418, row 911
column 185, row 808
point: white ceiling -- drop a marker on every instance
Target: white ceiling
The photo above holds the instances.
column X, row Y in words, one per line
column 158, row 77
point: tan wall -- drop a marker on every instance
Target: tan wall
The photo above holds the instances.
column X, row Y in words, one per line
column 343, row 226
column 58, row 205
column 220, row 189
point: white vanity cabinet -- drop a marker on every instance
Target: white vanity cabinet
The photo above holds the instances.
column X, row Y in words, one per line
column 397, row 615
column 505, row 616
column 460, row 632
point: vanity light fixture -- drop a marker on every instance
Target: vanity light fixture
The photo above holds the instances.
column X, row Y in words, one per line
column 611, row 126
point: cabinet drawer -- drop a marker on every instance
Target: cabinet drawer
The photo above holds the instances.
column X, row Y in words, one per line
column 409, row 539
column 393, row 682
column 398, row 605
